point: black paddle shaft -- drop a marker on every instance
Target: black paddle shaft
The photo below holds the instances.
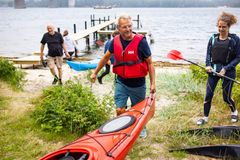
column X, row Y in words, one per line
column 212, row 71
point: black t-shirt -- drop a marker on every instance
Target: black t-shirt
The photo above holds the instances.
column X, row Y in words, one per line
column 143, row 53
column 54, row 43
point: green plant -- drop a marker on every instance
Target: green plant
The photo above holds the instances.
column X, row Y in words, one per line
column 198, row 74
column 11, row 74
column 179, row 85
column 71, row 107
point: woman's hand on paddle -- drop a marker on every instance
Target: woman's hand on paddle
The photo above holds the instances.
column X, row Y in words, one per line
column 93, row 77
column 222, row 72
column 209, row 69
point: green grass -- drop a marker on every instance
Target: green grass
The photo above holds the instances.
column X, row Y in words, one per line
column 20, row 138
column 165, row 129
column 3, row 102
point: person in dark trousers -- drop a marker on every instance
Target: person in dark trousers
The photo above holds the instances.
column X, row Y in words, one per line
column 56, row 46
column 223, row 55
column 132, row 63
column 111, row 61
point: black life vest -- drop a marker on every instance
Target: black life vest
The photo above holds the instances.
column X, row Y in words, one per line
column 222, row 52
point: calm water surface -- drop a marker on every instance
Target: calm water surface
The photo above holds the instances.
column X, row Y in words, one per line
column 184, row 29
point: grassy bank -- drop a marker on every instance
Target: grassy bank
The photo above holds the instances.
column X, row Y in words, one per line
column 179, row 105
column 166, row 129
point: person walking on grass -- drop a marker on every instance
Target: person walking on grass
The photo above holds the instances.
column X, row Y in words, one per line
column 132, row 62
column 111, row 61
column 56, row 46
column 223, row 55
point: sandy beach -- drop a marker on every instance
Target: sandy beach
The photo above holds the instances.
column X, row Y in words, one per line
column 40, row 78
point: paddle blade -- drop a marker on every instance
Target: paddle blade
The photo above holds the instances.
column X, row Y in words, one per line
column 175, row 55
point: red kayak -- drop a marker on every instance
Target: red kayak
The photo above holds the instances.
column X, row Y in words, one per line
column 113, row 140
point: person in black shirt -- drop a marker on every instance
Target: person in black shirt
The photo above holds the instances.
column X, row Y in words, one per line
column 56, row 46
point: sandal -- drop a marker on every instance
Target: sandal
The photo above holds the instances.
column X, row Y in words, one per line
column 234, row 118
column 201, row 121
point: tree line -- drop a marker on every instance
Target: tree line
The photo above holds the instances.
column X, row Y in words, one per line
column 130, row 3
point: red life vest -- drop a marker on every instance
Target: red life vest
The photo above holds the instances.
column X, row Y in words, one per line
column 127, row 63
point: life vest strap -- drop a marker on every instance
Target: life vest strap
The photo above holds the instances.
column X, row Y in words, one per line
column 129, row 63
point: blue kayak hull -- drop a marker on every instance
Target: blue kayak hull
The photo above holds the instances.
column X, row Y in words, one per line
column 82, row 66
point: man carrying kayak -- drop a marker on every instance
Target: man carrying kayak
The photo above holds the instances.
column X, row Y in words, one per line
column 133, row 62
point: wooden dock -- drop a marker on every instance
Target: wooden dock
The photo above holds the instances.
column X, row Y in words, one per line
column 86, row 33
column 33, row 60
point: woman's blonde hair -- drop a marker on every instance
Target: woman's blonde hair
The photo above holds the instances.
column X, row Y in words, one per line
column 229, row 18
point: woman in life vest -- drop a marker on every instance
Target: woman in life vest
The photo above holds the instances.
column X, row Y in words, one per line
column 223, row 55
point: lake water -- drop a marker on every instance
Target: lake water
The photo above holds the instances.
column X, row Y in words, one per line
column 184, row 29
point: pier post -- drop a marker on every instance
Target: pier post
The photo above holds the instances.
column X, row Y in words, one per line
column 58, row 29
column 93, row 20
column 85, row 24
column 88, row 43
column 96, row 35
column 87, row 38
column 138, row 21
column 74, row 28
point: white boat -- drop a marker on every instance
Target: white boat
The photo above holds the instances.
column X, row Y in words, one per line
column 102, row 7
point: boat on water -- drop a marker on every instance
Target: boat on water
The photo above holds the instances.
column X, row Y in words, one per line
column 102, row 7
column 113, row 140
column 85, row 65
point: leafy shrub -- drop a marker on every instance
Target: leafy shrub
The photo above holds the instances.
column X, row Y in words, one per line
column 71, row 107
column 199, row 74
column 11, row 74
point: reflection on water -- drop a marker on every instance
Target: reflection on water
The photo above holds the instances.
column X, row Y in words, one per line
column 184, row 29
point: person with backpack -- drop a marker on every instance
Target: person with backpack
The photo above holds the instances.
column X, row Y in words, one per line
column 111, row 61
column 223, row 55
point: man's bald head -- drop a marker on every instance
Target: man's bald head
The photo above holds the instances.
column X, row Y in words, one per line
column 50, row 28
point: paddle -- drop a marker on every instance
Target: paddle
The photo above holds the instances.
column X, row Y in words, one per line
column 176, row 55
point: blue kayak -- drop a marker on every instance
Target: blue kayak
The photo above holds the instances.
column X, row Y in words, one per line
column 82, row 66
